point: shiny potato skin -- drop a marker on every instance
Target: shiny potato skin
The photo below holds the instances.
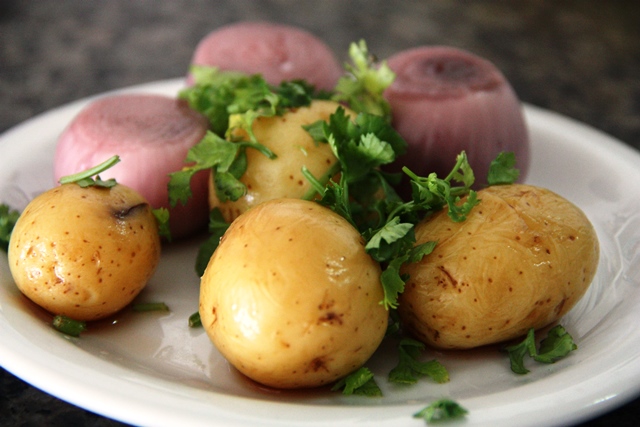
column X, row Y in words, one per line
column 268, row 179
column 84, row 252
column 290, row 297
column 521, row 260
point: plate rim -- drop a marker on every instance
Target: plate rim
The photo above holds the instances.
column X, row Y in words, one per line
column 28, row 368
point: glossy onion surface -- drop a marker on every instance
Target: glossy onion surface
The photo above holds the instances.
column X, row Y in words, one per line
column 445, row 100
column 151, row 134
column 278, row 52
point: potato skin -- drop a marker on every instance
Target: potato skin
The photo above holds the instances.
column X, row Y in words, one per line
column 268, row 179
column 521, row 260
column 84, row 252
column 290, row 296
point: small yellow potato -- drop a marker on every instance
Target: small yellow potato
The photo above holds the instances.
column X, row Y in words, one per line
column 84, row 252
column 268, row 179
column 521, row 260
column 291, row 298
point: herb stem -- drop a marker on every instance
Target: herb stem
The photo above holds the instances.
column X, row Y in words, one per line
column 318, row 184
column 90, row 172
column 150, row 306
column 69, row 326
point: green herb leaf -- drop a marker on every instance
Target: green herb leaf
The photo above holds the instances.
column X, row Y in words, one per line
column 232, row 101
column 194, row 320
column 441, row 410
column 360, row 145
column 409, row 369
column 555, row 346
column 162, row 220
column 8, row 219
column 363, row 85
column 360, row 382
column 217, row 228
column 392, row 238
column 502, row 169
column 518, row 352
column 211, row 153
column 432, row 193
column 392, row 281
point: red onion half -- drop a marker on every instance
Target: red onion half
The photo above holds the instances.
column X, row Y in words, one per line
column 277, row 52
column 445, row 100
column 151, row 134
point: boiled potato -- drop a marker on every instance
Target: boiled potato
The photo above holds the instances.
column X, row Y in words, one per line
column 268, row 179
column 290, row 297
column 84, row 252
column 521, row 260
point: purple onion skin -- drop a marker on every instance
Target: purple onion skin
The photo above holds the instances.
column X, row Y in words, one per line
column 277, row 52
column 446, row 100
column 151, row 134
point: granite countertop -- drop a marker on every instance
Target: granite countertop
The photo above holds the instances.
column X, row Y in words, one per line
column 578, row 58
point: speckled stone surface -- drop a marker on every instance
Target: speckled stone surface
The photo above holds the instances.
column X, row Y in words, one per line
column 578, row 58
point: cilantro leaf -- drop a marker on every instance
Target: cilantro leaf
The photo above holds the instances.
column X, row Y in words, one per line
column 217, row 227
column 392, row 281
column 391, row 238
column 213, row 153
column 502, row 169
column 409, row 368
column 221, row 94
column 441, row 410
column 8, row 219
column 363, row 85
column 360, row 382
column 232, row 102
column 431, row 193
column 518, row 352
column 162, row 220
column 361, row 146
column 555, row 346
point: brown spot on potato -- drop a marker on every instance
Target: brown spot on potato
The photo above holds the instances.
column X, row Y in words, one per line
column 331, row 318
column 319, row 363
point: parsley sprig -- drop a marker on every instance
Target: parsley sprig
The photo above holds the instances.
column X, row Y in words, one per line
column 409, row 368
column 441, row 410
column 359, row 383
column 8, row 219
column 364, row 82
column 232, row 102
column 555, row 346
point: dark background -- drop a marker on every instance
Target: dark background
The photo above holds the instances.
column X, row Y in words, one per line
column 578, row 58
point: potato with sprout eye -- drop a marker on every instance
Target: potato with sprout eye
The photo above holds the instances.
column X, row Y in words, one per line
column 84, row 252
column 268, row 179
column 291, row 298
column 522, row 259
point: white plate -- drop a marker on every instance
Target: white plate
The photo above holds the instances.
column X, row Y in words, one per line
column 151, row 369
